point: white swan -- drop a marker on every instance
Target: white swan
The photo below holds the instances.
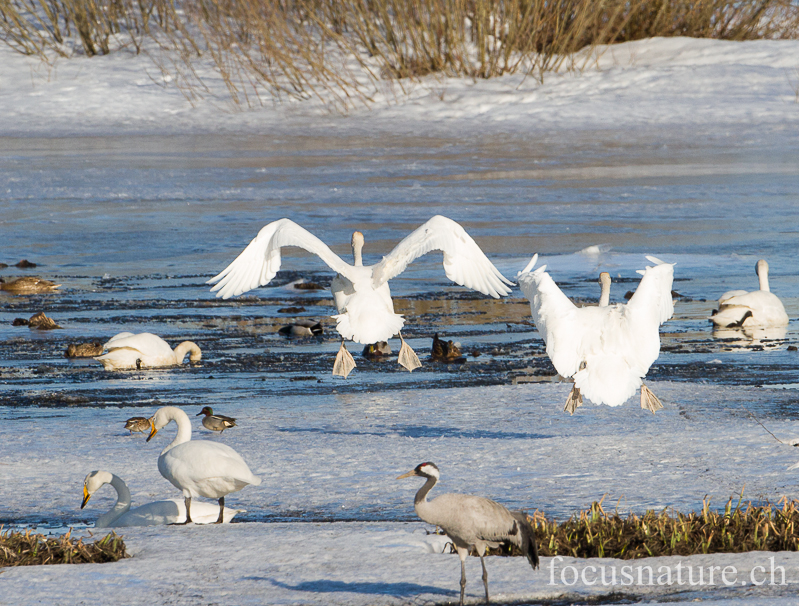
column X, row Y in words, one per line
column 608, row 350
column 363, row 299
column 127, row 351
column 157, row 513
column 199, row 469
column 761, row 308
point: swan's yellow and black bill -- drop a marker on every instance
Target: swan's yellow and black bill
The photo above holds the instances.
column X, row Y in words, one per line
column 86, row 497
column 410, row 474
column 153, row 431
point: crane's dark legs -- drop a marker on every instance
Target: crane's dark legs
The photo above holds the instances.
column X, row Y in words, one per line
column 220, row 519
column 485, row 578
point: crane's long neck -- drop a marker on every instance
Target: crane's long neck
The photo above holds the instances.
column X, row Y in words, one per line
column 184, row 428
column 122, row 504
column 421, row 504
column 187, row 347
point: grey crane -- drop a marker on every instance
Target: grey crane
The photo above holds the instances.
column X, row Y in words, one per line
column 472, row 522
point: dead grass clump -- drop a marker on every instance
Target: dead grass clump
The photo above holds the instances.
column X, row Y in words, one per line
column 598, row 534
column 26, row 549
column 342, row 51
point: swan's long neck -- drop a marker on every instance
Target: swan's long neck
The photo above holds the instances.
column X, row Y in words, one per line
column 122, row 504
column 762, row 275
column 184, row 428
column 357, row 248
column 604, row 281
column 186, row 347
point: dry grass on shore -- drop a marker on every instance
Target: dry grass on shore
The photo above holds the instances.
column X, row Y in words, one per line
column 30, row 549
column 596, row 533
column 339, row 51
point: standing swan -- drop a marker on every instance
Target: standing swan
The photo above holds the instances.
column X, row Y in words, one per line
column 126, row 351
column 152, row 514
column 199, row 469
column 760, row 308
column 607, row 349
column 363, row 299
column 472, row 522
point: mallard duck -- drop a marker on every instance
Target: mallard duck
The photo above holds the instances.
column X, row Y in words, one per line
column 84, row 350
column 39, row 320
column 361, row 293
column 761, row 308
column 28, row 285
column 376, row 351
column 215, row 422
column 127, row 351
column 202, row 468
column 302, row 328
column 445, row 351
column 137, row 424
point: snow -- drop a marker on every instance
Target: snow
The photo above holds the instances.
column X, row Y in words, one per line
column 332, row 459
column 682, row 82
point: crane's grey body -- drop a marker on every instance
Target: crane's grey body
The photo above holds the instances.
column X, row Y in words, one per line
column 472, row 521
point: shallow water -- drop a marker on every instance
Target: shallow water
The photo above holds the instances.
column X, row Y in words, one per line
column 133, row 227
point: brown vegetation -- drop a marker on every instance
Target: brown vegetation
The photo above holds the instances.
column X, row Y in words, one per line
column 598, row 534
column 26, row 549
column 340, row 50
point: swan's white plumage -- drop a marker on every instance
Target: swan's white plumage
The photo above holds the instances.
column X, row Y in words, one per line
column 758, row 308
column 169, row 511
column 144, row 350
column 199, row 468
column 608, row 350
column 363, row 299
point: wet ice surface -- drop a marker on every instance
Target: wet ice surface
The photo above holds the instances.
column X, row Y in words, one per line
column 133, row 228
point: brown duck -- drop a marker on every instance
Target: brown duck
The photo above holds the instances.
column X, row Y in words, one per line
column 28, row 285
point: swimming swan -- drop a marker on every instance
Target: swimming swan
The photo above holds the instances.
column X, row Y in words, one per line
column 199, row 469
column 609, row 349
column 127, row 351
column 363, row 299
column 152, row 514
column 762, row 308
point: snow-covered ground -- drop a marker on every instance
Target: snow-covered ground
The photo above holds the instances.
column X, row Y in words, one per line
column 680, row 82
column 335, row 456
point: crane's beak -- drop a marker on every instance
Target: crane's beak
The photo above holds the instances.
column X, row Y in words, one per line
column 153, row 431
column 410, row 474
column 86, row 497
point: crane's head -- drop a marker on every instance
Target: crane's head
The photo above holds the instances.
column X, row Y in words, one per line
column 425, row 470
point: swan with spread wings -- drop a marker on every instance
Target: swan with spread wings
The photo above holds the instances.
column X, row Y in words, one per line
column 607, row 349
column 361, row 293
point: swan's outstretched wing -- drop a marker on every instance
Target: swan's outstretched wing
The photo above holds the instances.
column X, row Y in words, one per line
column 555, row 318
column 260, row 261
column 652, row 300
column 464, row 262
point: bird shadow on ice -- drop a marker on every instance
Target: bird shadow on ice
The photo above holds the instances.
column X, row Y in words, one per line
column 325, row 586
column 421, row 431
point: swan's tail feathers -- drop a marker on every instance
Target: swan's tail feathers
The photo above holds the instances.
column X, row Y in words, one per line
column 344, row 362
column 649, row 401
column 529, row 266
column 528, row 543
column 407, row 357
column 574, row 401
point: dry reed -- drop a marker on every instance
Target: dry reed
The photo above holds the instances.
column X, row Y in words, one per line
column 27, row 549
column 341, row 51
column 596, row 533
